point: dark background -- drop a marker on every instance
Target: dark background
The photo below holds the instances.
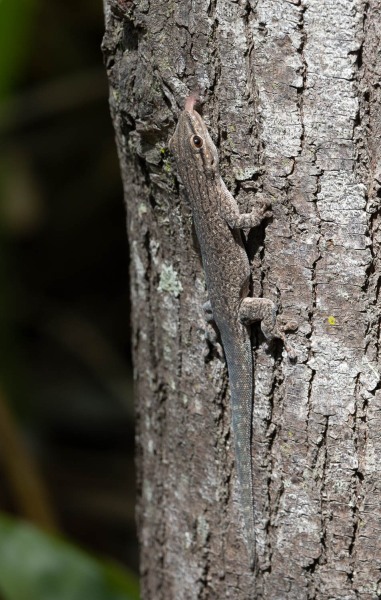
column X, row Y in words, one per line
column 64, row 337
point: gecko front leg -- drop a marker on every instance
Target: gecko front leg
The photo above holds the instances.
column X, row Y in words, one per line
column 229, row 210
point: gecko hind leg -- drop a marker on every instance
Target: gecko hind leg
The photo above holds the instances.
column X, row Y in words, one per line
column 211, row 334
column 208, row 313
column 253, row 310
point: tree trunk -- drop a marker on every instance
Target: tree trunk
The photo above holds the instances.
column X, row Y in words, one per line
column 292, row 99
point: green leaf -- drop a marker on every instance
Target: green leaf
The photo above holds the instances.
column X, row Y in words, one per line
column 37, row 566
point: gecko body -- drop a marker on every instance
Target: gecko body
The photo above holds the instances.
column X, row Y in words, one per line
column 227, row 271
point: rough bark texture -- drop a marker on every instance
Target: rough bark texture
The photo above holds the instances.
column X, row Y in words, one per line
column 292, row 97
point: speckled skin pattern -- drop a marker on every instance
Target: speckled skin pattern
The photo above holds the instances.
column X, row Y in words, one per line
column 227, row 270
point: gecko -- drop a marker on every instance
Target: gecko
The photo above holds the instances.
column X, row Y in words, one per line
column 218, row 222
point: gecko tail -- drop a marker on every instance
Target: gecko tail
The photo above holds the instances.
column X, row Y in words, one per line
column 240, row 367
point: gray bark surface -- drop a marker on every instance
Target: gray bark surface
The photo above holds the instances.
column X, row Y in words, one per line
column 293, row 102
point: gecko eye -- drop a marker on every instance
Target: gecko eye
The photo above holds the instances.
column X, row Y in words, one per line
column 197, row 141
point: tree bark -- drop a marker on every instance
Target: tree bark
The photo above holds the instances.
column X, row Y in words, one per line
column 293, row 101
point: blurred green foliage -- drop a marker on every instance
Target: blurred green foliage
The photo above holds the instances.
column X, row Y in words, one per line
column 64, row 334
column 16, row 19
column 35, row 566
column 16, row 23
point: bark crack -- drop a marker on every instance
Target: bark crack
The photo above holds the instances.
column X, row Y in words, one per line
column 301, row 90
column 274, row 496
column 357, row 485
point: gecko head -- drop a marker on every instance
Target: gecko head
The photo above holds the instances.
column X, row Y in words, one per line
column 191, row 143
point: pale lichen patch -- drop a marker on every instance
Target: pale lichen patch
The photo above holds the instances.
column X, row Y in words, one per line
column 169, row 281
